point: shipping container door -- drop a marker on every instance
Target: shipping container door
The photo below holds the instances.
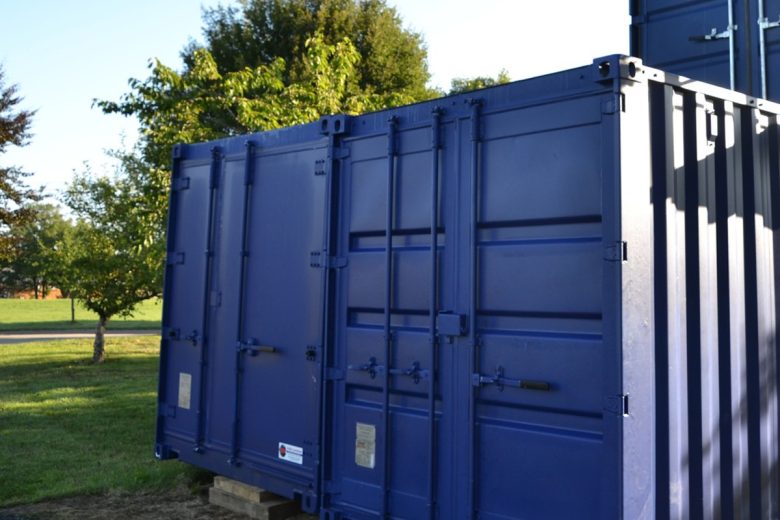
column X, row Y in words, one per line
column 702, row 39
column 542, row 354
column 394, row 235
column 272, row 343
column 766, row 42
column 186, row 286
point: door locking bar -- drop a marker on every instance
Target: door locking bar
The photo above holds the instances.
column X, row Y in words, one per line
column 253, row 347
column 714, row 35
column 501, row 381
column 414, row 371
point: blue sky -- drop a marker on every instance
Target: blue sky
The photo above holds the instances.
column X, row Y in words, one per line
column 64, row 54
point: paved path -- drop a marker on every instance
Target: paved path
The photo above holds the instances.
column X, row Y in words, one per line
column 7, row 338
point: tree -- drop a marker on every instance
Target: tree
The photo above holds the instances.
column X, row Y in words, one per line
column 393, row 60
column 461, row 85
column 35, row 265
column 117, row 249
column 14, row 193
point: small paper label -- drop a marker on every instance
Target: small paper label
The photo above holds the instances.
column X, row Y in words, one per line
column 290, row 453
column 365, row 445
column 185, row 390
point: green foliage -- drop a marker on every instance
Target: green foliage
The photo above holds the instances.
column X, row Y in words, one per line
column 117, row 248
column 461, row 85
column 257, row 32
column 203, row 103
column 15, row 195
column 73, row 428
column 36, row 264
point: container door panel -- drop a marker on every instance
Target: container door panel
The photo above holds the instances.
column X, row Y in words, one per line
column 281, row 336
column 541, row 371
column 688, row 38
column 384, row 416
column 768, row 77
column 225, row 304
column 183, row 326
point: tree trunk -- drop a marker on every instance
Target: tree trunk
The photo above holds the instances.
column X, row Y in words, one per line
column 72, row 310
column 99, row 347
column 35, row 289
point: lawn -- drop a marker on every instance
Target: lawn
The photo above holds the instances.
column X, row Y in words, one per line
column 20, row 315
column 68, row 427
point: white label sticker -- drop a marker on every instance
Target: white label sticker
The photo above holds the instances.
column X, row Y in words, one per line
column 365, row 445
column 185, row 390
column 291, row 453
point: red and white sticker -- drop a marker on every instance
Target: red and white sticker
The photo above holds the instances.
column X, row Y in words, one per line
column 290, row 453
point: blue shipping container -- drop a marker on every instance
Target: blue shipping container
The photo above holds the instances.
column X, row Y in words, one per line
column 731, row 43
column 555, row 298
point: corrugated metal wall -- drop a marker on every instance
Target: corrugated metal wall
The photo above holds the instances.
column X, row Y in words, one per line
column 716, row 182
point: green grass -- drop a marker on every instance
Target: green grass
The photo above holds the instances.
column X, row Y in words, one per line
column 68, row 427
column 21, row 315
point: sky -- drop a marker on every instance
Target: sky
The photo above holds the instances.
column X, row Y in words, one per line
column 65, row 54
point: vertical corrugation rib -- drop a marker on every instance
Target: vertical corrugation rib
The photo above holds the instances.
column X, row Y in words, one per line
column 765, row 319
column 661, row 108
column 737, row 310
column 692, row 307
column 708, row 309
column 751, row 315
column 677, row 317
column 774, row 225
column 723, row 170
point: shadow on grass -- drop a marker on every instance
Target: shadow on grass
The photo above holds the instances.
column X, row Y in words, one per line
column 68, row 427
column 80, row 325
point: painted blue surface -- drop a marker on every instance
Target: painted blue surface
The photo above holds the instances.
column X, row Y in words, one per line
column 555, row 298
column 676, row 36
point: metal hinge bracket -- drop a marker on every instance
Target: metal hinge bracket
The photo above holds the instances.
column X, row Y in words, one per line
column 174, row 258
column 180, row 183
column 617, row 252
column 617, row 103
column 333, row 374
column 319, row 167
column 320, row 259
column 617, row 404
column 166, row 410
column 171, row 333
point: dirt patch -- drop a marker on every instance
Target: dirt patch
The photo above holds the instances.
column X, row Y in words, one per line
column 177, row 504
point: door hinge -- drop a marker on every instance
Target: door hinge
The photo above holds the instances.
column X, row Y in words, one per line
column 319, row 167
column 617, row 103
column 320, row 259
column 215, row 298
column 333, row 374
column 617, row 404
column 174, row 258
column 166, row 410
column 171, row 333
column 338, row 153
column 180, row 183
column 617, row 252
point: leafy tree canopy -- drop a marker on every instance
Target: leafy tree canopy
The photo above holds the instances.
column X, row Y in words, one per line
column 15, row 195
column 203, row 103
column 461, row 85
column 116, row 250
column 258, row 32
column 35, row 265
